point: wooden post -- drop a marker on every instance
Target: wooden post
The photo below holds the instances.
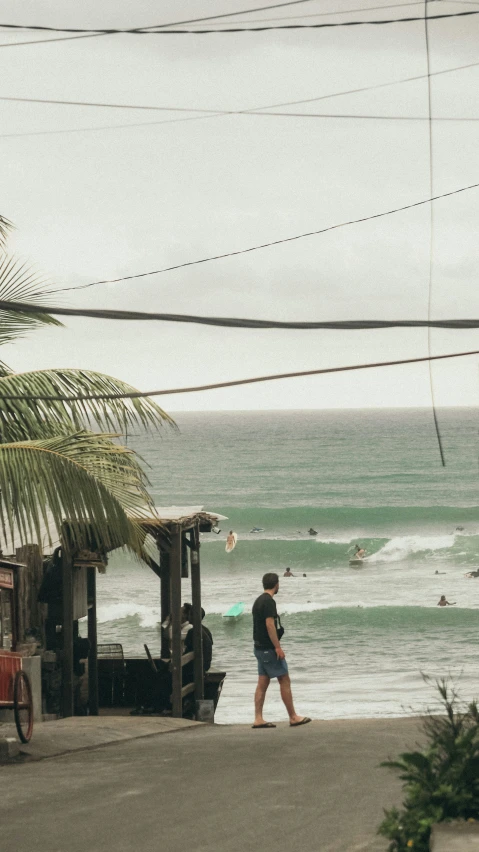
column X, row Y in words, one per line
column 67, row 633
column 165, row 601
column 175, row 605
column 196, row 603
column 92, row 636
column 30, row 613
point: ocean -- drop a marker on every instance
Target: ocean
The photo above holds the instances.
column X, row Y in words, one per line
column 358, row 642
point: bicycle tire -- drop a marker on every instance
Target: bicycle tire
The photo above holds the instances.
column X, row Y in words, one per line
column 23, row 700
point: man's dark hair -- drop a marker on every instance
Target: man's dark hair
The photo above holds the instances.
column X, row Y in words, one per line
column 270, row 581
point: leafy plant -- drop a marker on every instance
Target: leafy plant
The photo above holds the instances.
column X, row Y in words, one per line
column 441, row 783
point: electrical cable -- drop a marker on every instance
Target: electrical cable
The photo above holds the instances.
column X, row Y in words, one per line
column 215, row 114
column 157, row 31
column 234, row 322
column 248, row 112
column 431, row 234
column 342, row 12
column 268, row 245
column 155, row 26
column 48, row 40
column 234, row 382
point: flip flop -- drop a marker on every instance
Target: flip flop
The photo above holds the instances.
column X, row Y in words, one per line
column 266, row 725
column 297, row 724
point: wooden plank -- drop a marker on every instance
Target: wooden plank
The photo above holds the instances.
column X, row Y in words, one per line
column 175, row 612
column 196, row 605
column 187, row 658
column 80, row 593
column 190, row 687
column 92, row 636
column 67, row 633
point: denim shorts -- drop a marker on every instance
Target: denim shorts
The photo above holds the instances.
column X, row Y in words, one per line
column 268, row 663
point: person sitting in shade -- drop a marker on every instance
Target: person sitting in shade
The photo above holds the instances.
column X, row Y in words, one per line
column 288, row 573
column 444, row 602
column 207, row 639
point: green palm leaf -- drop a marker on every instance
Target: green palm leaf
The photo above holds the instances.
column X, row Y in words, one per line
column 25, row 419
column 18, row 281
column 82, row 478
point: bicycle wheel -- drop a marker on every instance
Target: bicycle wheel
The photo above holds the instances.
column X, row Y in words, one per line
column 23, row 706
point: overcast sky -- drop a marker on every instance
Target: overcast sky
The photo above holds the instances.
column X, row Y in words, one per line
column 104, row 203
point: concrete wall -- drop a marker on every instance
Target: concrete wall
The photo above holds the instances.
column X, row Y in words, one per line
column 455, row 837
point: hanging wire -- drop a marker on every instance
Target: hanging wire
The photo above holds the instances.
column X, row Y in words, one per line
column 160, row 29
column 266, row 245
column 431, row 235
column 234, row 383
column 236, row 322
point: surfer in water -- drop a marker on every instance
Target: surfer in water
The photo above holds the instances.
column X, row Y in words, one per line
column 312, row 531
column 288, row 573
column 359, row 552
column 444, row 602
column 230, row 541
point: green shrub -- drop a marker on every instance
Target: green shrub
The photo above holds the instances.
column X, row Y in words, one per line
column 441, row 783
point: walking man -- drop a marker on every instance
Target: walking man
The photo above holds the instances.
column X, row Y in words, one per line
column 267, row 632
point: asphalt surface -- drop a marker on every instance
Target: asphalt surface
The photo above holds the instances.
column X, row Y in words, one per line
column 316, row 788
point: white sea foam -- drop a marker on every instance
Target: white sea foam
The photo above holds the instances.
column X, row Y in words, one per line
column 401, row 547
column 149, row 615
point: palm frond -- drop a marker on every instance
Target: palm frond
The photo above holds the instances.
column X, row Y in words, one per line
column 20, row 283
column 5, row 227
column 81, row 478
column 26, row 419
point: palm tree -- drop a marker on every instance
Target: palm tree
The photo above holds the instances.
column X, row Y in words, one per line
column 53, row 466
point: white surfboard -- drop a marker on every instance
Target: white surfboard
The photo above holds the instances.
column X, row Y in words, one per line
column 230, row 545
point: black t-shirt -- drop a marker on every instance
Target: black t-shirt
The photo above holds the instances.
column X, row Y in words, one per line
column 207, row 646
column 264, row 607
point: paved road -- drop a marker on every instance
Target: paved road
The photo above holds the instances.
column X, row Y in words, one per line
column 226, row 788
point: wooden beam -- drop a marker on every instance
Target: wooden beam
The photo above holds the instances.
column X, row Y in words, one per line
column 175, row 613
column 67, row 633
column 187, row 658
column 92, row 636
column 190, row 687
column 196, row 604
column 165, row 601
column 184, row 557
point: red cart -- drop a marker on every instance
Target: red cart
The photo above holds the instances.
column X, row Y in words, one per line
column 16, row 693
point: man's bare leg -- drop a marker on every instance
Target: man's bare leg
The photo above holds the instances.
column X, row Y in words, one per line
column 287, row 697
column 259, row 696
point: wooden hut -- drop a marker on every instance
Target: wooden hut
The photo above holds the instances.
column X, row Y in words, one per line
column 175, row 536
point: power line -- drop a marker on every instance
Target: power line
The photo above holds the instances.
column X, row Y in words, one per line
column 235, row 322
column 234, row 383
column 48, row 40
column 431, row 231
column 342, row 12
column 214, row 114
column 227, row 14
column 105, row 127
column 215, row 17
column 268, row 245
column 109, row 105
column 157, row 31
column 142, row 30
column 246, row 112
